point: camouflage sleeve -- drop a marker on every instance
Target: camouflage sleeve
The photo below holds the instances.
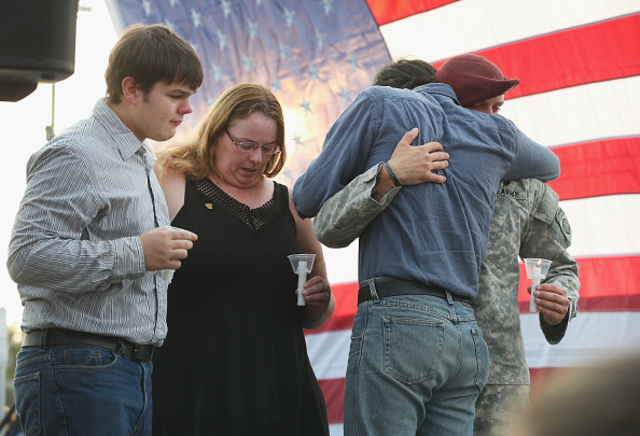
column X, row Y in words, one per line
column 549, row 236
column 344, row 216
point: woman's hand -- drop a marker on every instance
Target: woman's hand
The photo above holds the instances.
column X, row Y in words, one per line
column 319, row 302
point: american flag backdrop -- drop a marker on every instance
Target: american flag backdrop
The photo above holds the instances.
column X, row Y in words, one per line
column 578, row 62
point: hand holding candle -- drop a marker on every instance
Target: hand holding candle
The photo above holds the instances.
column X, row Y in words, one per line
column 168, row 273
column 302, row 264
column 536, row 270
column 302, row 277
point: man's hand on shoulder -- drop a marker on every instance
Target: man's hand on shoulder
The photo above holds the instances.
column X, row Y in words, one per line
column 414, row 164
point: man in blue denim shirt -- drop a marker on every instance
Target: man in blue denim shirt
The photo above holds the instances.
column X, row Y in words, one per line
column 418, row 360
column 527, row 222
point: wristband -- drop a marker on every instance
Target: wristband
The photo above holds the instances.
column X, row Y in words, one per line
column 392, row 175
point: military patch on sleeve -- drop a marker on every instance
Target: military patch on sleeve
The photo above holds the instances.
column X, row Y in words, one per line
column 508, row 191
column 564, row 223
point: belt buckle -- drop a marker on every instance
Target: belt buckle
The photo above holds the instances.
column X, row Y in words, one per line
column 142, row 353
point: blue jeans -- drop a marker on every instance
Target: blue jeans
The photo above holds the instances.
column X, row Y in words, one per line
column 416, row 365
column 82, row 390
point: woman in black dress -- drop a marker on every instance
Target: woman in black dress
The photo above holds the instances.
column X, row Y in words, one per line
column 235, row 358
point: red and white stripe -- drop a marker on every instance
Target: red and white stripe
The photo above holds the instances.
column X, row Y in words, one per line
column 579, row 68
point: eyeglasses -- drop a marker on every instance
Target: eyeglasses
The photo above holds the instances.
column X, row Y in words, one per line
column 269, row 149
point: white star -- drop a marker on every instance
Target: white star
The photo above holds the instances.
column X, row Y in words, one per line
column 306, row 106
column 289, row 16
column 328, row 6
column 283, row 50
column 259, row 2
column 353, row 60
column 216, row 72
column 173, row 2
column 320, row 39
column 344, row 94
column 253, row 30
column 169, row 24
column 222, row 40
column 275, row 84
column 195, row 16
column 226, row 7
column 314, row 73
column 146, row 4
column 246, row 61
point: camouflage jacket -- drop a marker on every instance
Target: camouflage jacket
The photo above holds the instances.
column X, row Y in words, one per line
column 527, row 222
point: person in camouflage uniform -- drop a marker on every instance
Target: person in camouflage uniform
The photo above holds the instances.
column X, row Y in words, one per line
column 527, row 222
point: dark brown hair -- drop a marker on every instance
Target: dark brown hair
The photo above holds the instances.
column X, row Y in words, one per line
column 151, row 54
column 405, row 73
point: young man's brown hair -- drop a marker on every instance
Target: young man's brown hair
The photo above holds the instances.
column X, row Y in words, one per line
column 151, row 54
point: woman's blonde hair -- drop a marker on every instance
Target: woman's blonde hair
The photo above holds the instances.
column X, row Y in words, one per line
column 196, row 157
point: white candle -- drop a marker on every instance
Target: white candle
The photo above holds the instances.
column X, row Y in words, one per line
column 302, row 278
column 168, row 275
column 535, row 281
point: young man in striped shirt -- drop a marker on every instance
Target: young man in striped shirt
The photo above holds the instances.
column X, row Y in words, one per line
column 90, row 243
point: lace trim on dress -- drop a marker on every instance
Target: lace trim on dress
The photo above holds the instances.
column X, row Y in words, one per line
column 253, row 218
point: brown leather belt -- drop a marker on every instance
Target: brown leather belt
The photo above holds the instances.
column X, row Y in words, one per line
column 395, row 287
column 141, row 353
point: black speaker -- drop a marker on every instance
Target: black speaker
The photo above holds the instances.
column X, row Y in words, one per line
column 37, row 44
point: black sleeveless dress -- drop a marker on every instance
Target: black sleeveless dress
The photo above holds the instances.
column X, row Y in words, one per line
column 235, row 359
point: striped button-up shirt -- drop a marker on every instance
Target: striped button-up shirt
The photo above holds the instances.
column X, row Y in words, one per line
column 75, row 250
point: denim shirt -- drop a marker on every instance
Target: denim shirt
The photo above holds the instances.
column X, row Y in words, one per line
column 435, row 234
column 527, row 222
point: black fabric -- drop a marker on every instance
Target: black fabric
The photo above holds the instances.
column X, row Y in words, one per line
column 235, row 360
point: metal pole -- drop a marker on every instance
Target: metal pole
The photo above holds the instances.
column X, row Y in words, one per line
column 49, row 130
column 4, row 358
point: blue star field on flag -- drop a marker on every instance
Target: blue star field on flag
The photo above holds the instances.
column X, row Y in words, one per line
column 315, row 55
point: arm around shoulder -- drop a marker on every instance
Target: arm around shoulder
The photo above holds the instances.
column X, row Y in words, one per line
column 344, row 216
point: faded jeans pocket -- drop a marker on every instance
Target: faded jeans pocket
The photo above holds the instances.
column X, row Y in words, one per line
column 412, row 348
column 482, row 358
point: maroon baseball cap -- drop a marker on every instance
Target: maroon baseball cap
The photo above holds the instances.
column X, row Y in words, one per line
column 474, row 78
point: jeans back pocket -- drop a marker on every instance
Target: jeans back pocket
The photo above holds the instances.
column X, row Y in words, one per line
column 412, row 348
